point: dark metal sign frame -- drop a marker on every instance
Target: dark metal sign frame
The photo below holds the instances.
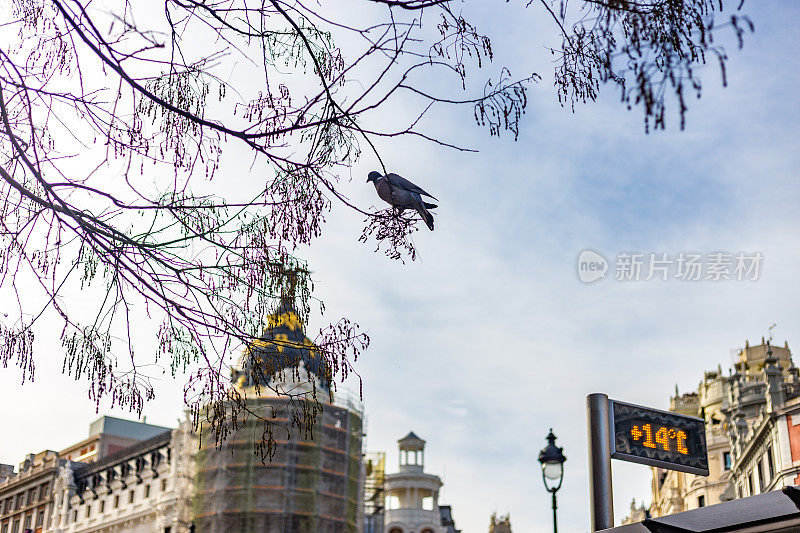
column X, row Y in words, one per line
column 693, row 461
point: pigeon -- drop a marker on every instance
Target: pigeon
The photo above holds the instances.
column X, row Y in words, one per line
column 402, row 194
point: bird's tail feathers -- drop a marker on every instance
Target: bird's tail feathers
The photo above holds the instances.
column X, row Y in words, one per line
column 420, row 207
column 428, row 218
column 429, row 206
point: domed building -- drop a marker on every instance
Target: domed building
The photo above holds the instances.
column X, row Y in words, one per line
column 283, row 360
column 412, row 496
column 314, row 481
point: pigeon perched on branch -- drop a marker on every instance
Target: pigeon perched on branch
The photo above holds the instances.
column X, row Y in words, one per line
column 402, row 194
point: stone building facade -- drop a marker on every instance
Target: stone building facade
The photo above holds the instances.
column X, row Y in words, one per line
column 748, row 431
column 144, row 488
column 26, row 494
column 764, row 431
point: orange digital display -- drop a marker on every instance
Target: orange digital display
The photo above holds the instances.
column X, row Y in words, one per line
column 658, row 438
column 661, row 437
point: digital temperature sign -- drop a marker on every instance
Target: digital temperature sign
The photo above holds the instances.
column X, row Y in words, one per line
column 658, row 438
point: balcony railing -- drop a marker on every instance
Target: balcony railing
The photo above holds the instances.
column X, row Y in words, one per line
column 751, row 392
column 791, row 390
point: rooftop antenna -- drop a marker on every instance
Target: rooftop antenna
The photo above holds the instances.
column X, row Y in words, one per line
column 773, row 326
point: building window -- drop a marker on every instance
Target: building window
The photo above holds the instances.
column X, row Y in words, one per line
column 116, row 501
column 15, row 527
column 163, row 485
column 392, row 503
column 28, row 521
column 75, row 516
column 770, row 462
column 750, row 483
column 130, row 497
column 5, row 528
column 32, row 496
column 167, row 529
column 147, row 491
column 88, row 511
column 701, row 501
column 760, row 472
column 102, row 506
column 427, row 503
column 726, row 460
column 83, row 451
column 40, row 517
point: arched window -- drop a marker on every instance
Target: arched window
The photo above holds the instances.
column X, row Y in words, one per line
column 397, row 530
column 426, row 531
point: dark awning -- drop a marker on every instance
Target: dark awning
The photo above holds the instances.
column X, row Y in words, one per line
column 776, row 511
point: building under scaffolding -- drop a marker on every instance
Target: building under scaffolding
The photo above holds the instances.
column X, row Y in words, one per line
column 313, row 483
column 374, row 495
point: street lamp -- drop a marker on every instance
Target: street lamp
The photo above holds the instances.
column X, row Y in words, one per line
column 552, row 460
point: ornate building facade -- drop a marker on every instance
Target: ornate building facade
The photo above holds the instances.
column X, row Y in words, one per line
column 27, row 496
column 144, row 488
column 763, row 429
column 749, row 434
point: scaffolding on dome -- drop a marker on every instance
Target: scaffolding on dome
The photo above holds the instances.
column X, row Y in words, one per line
column 309, row 485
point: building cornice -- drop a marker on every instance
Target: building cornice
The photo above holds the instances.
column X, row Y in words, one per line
column 21, row 479
column 83, row 470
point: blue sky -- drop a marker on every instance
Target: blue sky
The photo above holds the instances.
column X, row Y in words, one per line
column 490, row 339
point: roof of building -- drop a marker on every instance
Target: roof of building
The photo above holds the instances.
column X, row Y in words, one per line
column 282, row 346
column 140, row 448
column 778, row 510
column 446, row 515
column 411, row 441
column 120, row 427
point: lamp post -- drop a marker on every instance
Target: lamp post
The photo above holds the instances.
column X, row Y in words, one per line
column 552, row 460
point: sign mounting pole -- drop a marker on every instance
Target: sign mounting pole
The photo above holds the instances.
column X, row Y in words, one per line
column 601, row 499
